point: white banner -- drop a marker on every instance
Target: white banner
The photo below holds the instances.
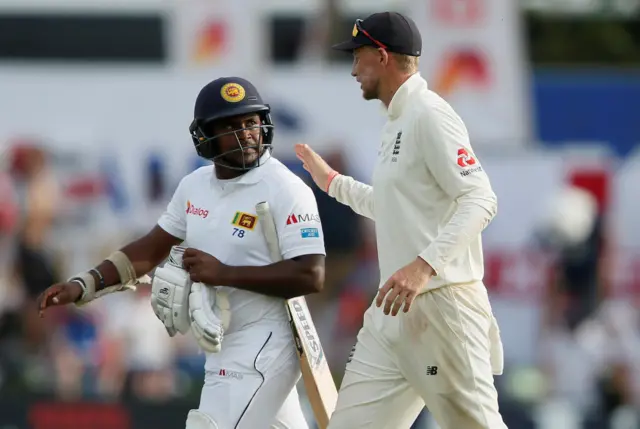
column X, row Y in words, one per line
column 473, row 57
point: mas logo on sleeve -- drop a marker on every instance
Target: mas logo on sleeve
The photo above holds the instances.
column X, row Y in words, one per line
column 310, row 233
column 245, row 220
column 293, row 218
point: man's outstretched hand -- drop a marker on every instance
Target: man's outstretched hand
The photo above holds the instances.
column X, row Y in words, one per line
column 320, row 171
column 58, row 294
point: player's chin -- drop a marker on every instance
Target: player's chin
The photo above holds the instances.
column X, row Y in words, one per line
column 249, row 155
column 369, row 95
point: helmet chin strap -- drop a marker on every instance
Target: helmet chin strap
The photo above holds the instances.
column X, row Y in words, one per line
column 221, row 162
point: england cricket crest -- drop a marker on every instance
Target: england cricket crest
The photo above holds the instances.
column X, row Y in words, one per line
column 307, row 340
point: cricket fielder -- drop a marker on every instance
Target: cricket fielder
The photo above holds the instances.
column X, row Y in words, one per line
column 224, row 287
column 430, row 199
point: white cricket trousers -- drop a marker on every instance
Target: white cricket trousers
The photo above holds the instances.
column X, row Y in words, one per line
column 439, row 355
column 251, row 383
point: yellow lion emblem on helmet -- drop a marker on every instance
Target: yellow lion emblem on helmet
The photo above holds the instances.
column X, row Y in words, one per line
column 232, row 92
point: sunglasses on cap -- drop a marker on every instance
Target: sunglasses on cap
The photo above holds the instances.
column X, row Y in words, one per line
column 358, row 26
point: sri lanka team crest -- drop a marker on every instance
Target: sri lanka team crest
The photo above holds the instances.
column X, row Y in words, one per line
column 245, row 220
column 354, row 32
column 233, row 92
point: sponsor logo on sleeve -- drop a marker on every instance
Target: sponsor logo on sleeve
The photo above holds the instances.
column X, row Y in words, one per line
column 294, row 218
column 468, row 163
column 309, row 233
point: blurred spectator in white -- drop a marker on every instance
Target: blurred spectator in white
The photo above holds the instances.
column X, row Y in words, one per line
column 573, row 231
column 138, row 356
column 591, row 345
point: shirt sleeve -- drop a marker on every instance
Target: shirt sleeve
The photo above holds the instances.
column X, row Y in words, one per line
column 174, row 218
column 298, row 221
column 350, row 192
column 443, row 142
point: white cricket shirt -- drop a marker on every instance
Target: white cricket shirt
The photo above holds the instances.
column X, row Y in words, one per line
column 430, row 197
column 219, row 217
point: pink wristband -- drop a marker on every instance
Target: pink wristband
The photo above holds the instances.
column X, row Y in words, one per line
column 332, row 176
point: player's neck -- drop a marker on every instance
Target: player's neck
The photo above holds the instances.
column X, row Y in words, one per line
column 390, row 86
column 228, row 173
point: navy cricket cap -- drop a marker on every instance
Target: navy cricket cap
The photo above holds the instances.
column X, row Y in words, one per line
column 388, row 30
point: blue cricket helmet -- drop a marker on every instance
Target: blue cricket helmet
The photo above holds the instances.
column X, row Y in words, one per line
column 224, row 98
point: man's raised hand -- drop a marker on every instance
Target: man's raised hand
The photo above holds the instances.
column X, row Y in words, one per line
column 320, row 171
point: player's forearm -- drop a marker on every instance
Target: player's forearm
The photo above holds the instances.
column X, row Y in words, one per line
column 145, row 254
column 471, row 217
column 285, row 279
column 357, row 195
column 143, row 261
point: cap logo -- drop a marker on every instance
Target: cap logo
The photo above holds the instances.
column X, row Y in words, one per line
column 233, row 92
column 354, row 32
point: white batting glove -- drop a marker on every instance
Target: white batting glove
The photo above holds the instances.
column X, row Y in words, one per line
column 170, row 298
column 208, row 329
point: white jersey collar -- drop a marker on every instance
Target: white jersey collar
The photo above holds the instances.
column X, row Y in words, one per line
column 401, row 97
column 250, row 177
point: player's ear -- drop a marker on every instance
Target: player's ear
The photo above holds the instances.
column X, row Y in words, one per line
column 384, row 56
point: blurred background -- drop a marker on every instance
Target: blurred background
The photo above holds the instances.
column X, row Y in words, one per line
column 95, row 101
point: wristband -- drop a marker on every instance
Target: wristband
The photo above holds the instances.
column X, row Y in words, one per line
column 332, row 176
column 126, row 271
column 101, row 284
column 88, row 283
column 82, row 285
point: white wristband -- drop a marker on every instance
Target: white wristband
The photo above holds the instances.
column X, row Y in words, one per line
column 88, row 284
column 82, row 285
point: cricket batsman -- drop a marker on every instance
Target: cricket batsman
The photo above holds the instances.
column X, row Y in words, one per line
column 221, row 283
column 430, row 199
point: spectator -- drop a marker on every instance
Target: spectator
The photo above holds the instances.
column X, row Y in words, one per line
column 10, row 296
column 138, row 356
column 37, row 193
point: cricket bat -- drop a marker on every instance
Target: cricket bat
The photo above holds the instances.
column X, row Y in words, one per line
column 317, row 378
